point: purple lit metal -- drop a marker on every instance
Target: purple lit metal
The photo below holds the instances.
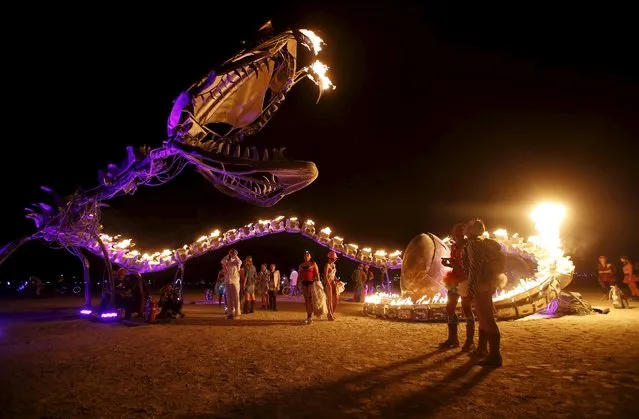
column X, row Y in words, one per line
column 109, row 315
column 231, row 96
column 552, row 307
column 85, row 312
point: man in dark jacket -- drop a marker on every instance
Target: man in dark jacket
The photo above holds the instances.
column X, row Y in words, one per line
column 482, row 284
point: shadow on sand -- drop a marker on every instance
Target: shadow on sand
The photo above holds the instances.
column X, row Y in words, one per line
column 353, row 396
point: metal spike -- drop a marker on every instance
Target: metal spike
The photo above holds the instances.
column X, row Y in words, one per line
column 220, row 147
column 238, row 151
column 281, row 153
column 265, row 155
column 227, row 149
column 254, row 153
column 247, row 153
column 275, row 154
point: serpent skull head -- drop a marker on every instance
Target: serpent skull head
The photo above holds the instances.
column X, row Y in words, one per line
column 211, row 119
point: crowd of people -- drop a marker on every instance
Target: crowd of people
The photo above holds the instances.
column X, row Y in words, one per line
column 608, row 278
column 239, row 283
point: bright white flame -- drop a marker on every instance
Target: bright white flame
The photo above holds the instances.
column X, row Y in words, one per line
column 316, row 41
column 319, row 70
column 326, row 231
column 501, row 234
column 548, row 218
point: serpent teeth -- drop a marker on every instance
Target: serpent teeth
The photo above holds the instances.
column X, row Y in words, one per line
column 238, row 151
column 247, row 153
column 265, row 157
column 254, row 153
column 227, row 149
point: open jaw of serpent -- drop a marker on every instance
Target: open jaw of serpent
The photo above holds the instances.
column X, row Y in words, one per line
column 207, row 128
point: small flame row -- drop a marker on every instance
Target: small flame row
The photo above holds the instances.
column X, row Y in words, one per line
column 121, row 250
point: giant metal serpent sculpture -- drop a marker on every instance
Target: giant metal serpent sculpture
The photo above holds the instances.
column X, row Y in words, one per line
column 206, row 128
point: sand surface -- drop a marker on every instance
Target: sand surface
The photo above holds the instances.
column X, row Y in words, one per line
column 270, row 365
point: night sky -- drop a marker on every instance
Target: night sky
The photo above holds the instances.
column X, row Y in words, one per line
column 440, row 114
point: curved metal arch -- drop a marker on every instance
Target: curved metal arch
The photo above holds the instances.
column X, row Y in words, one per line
column 121, row 251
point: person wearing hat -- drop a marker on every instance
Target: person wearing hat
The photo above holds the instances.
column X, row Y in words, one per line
column 331, row 285
column 308, row 273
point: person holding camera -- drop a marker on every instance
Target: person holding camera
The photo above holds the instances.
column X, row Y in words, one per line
column 456, row 284
column 232, row 264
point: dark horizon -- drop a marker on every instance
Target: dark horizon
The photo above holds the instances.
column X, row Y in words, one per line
column 438, row 117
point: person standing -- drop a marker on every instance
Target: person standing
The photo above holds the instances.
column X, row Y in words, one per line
column 456, row 284
column 219, row 287
column 629, row 278
column 309, row 273
column 479, row 261
column 293, row 282
column 263, row 278
column 606, row 275
column 369, row 282
column 250, row 280
column 273, row 287
column 232, row 264
column 358, row 278
column 331, row 285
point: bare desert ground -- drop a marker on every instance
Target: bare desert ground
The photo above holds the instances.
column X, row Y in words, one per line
column 270, row 365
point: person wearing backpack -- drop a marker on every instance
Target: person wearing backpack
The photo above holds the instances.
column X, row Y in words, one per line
column 485, row 265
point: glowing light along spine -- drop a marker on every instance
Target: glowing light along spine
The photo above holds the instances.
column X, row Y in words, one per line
column 122, row 252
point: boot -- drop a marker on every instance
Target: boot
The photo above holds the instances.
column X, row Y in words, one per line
column 452, row 341
column 482, row 346
column 494, row 356
column 245, row 308
column 469, row 345
column 252, row 306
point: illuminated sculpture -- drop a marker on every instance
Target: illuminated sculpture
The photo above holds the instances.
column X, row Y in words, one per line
column 537, row 270
column 206, row 128
column 208, row 123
